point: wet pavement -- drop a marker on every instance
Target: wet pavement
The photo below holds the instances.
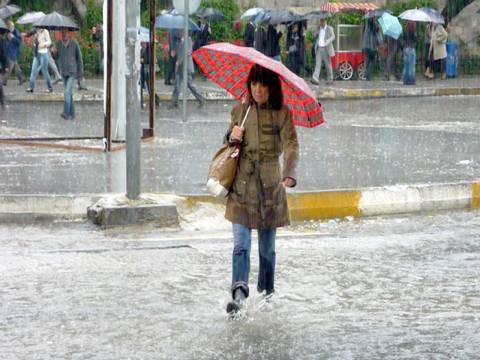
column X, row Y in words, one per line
column 365, row 143
column 379, row 288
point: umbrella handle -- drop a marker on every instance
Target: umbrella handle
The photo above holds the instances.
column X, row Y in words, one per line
column 245, row 117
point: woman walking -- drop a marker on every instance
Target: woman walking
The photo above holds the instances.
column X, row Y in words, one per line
column 258, row 197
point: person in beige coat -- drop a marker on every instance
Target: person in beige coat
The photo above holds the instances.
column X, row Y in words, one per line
column 258, row 198
column 438, row 50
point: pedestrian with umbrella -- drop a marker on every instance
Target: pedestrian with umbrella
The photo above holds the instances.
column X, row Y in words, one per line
column 204, row 35
column 41, row 44
column 69, row 57
column 13, row 42
column 3, row 60
column 272, row 100
column 185, row 40
column 391, row 30
column 438, row 50
column 371, row 41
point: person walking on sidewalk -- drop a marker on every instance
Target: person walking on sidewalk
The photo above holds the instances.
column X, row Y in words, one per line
column 258, row 198
column 41, row 43
column 3, row 68
column 324, row 52
column 173, row 39
column 179, row 71
column 427, row 54
column 438, row 51
column 70, row 61
column 371, row 41
column 13, row 42
column 391, row 59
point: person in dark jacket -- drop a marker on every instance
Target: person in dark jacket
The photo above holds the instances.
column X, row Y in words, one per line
column 371, row 41
column 391, row 59
column 173, row 39
column 145, row 73
column 260, row 38
column 294, row 48
column 3, row 67
column 70, row 62
column 249, row 34
column 203, row 36
column 273, row 42
column 97, row 37
column 13, row 42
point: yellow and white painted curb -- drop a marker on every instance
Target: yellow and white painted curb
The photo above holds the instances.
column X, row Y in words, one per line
column 384, row 201
column 315, row 205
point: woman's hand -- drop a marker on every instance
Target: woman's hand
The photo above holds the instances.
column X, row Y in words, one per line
column 237, row 133
column 288, row 182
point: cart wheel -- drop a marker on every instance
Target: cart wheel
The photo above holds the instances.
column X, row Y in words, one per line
column 345, row 70
column 362, row 71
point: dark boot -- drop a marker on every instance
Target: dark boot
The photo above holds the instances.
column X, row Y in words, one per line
column 237, row 303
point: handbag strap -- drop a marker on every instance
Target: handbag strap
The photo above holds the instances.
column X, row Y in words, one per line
column 245, row 117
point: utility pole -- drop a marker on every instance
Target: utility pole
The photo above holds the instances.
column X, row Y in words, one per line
column 133, row 129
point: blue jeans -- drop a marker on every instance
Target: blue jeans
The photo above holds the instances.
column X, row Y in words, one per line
column 68, row 109
column 40, row 62
column 242, row 241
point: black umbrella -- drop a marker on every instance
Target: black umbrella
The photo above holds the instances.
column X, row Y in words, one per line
column 56, row 21
column 9, row 10
column 314, row 15
column 375, row 13
column 276, row 17
column 211, row 14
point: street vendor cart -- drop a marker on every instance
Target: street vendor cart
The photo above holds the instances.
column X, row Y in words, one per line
column 349, row 58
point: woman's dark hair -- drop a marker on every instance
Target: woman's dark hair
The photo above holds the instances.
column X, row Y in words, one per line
column 264, row 76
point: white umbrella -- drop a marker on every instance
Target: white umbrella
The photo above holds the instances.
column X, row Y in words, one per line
column 30, row 17
column 251, row 12
column 415, row 15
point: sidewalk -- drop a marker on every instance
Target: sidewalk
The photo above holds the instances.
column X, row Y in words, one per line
column 352, row 89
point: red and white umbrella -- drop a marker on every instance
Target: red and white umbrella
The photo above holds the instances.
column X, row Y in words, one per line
column 334, row 8
column 229, row 65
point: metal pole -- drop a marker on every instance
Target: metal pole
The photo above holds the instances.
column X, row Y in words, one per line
column 185, row 57
column 108, row 74
column 153, row 63
column 133, row 130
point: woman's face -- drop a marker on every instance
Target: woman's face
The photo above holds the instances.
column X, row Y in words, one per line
column 260, row 92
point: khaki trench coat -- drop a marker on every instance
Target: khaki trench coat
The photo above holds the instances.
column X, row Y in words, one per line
column 439, row 43
column 258, row 199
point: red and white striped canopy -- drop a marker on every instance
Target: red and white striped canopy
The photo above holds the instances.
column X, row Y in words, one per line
column 334, row 8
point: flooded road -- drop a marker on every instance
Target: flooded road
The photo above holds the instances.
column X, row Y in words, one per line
column 378, row 288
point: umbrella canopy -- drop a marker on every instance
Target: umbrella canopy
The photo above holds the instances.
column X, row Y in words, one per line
column 211, row 14
column 276, row 17
column 56, row 21
column 30, row 17
column 434, row 15
column 316, row 15
column 334, row 8
column 229, row 66
column 374, row 13
column 173, row 21
column 390, row 25
column 9, row 10
column 251, row 12
column 415, row 15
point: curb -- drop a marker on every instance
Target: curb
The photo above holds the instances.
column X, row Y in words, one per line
column 303, row 206
column 329, row 94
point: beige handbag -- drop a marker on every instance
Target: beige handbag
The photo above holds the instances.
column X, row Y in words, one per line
column 224, row 167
